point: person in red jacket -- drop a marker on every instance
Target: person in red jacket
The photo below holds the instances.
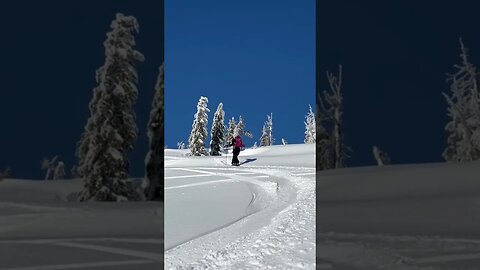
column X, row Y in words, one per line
column 237, row 146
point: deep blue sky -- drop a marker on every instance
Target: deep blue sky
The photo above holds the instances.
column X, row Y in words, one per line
column 257, row 57
column 395, row 55
column 50, row 51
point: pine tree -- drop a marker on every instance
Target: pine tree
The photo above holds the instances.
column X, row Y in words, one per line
column 59, row 171
column 264, row 138
column 49, row 166
column 323, row 139
column 218, row 130
column 74, row 172
column 464, row 111
column 239, row 129
column 154, row 182
column 335, row 112
column 310, row 127
column 198, row 136
column 111, row 131
column 267, row 138
column 181, row 145
column 87, row 139
column 231, row 129
column 380, row 156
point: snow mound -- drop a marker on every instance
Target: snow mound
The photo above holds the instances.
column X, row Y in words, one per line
column 420, row 216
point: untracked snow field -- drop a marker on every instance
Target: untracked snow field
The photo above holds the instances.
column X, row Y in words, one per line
column 43, row 228
column 423, row 216
column 260, row 215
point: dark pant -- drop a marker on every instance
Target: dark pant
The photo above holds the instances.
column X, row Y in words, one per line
column 236, row 152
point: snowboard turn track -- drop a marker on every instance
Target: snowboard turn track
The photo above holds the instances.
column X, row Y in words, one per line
column 277, row 230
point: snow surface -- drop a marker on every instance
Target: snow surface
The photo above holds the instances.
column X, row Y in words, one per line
column 257, row 216
column 43, row 227
column 422, row 216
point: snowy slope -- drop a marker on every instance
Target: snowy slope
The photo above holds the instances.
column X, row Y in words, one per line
column 39, row 221
column 423, row 216
column 256, row 216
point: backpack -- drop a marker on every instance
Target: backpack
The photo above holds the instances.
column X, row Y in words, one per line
column 238, row 142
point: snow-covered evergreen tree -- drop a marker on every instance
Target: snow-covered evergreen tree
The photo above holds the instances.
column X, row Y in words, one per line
column 74, row 172
column 240, row 129
column 59, row 172
column 267, row 135
column 86, row 141
column 218, row 131
column 232, row 124
column 111, row 131
column 335, row 112
column 181, row 145
column 49, row 166
column 380, row 156
column 323, row 140
column 310, row 126
column 464, row 111
column 198, row 136
column 264, row 138
column 153, row 181
column 270, row 129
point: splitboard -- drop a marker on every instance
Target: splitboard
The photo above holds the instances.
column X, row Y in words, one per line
column 229, row 164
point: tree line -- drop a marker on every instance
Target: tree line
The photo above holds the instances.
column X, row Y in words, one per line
column 221, row 134
column 463, row 111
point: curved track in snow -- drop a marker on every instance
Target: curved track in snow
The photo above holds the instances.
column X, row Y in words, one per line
column 276, row 230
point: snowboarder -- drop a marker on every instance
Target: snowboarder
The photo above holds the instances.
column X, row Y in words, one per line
column 237, row 145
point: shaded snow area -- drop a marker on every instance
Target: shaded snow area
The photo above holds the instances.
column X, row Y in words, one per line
column 424, row 216
column 43, row 228
column 260, row 215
